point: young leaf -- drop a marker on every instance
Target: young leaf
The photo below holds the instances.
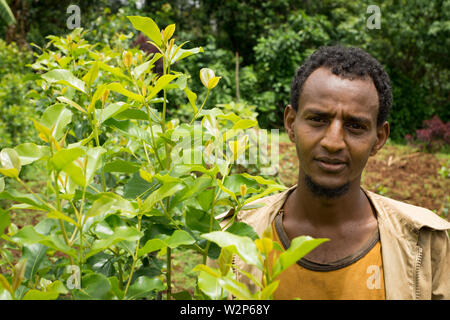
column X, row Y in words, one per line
column 91, row 75
column 121, row 166
column 148, row 27
column 143, row 286
column 5, row 220
column 165, row 191
column 192, row 97
column 298, row 248
column 30, row 152
column 236, row 288
column 178, row 238
column 206, row 75
column 244, row 247
column 56, row 118
column 10, row 162
column 110, row 202
column 168, row 32
column 162, row 82
column 115, row 86
column 65, row 77
column 210, row 286
column 65, row 156
column 71, row 103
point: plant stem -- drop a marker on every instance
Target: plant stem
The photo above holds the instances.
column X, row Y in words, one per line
column 169, row 272
column 199, row 110
column 97, row 143
column 135, row 258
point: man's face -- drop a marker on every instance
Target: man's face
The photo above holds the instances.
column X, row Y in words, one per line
column 335, row 128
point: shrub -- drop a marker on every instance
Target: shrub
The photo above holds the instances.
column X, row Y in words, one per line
column 16, row 108
column 434, row 135
column 122, row 190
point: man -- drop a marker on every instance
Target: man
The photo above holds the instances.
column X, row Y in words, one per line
column 379, row 248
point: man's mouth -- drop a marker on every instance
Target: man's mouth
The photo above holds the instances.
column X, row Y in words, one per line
column 334, row 165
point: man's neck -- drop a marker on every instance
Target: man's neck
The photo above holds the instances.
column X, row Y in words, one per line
column 303, row 206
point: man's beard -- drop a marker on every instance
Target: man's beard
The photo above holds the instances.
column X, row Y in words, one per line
column 325, row 192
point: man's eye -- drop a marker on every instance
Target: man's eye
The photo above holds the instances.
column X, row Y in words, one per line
column 317, row 119
column 355, row 126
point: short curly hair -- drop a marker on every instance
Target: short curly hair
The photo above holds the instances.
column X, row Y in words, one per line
column 346, row 62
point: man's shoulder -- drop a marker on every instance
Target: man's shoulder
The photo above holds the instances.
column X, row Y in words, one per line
column 406, row 213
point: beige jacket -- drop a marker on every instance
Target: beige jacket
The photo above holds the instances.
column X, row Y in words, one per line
column 414, row 243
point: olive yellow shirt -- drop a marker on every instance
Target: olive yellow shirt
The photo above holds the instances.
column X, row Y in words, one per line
column 356, row 277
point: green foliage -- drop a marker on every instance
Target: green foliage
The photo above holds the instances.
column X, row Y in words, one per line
column 15, row 105
column 125, row 183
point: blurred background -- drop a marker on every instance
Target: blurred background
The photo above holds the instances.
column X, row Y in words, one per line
column 256, row 47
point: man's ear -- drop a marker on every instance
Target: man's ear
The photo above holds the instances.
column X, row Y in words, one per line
column 289, row 117
column 382, row 135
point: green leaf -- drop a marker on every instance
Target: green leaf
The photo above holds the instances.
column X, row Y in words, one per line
column 116, row 86
column 30, row 152
column 165, row 191
column 54, row 241
column 180, row 54
column 300, row 246
column 192, row 97
column 236, row 288
column 113, row 70
column 151, row 246
column 115, row 287
column 23, row 198
column 5, row 220
column 97, row 95
column 131, row 114
column 242, row 246
column 141, row 69
column 62, row 216
column 65, row 77
column 91, row 75
column 178, row 238
column 35, row 255
column 27, row 235
column 2, row 184
column 148, row 27
column 161, row 83
column 120, row 233
column 135, row 187
column 206, row 75
column 65, row 156
column 112, row 110
column 244, row 230
column 94, row 162
column 76, row 173
column 244, row 124
column 143, row 286
column 34, row 294
column 110, row 202
column 200, row 220
column 56, row 117
column 6, row 14
column 10, row 162
column 71, row 103
column 265, row 192
column 95, row 286
column 268, row 291
column 121, row 166
column 210, row 286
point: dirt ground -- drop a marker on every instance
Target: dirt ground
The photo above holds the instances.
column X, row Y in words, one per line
column 398, row 172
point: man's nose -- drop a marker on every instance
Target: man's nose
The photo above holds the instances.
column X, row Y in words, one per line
column 333, row 140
